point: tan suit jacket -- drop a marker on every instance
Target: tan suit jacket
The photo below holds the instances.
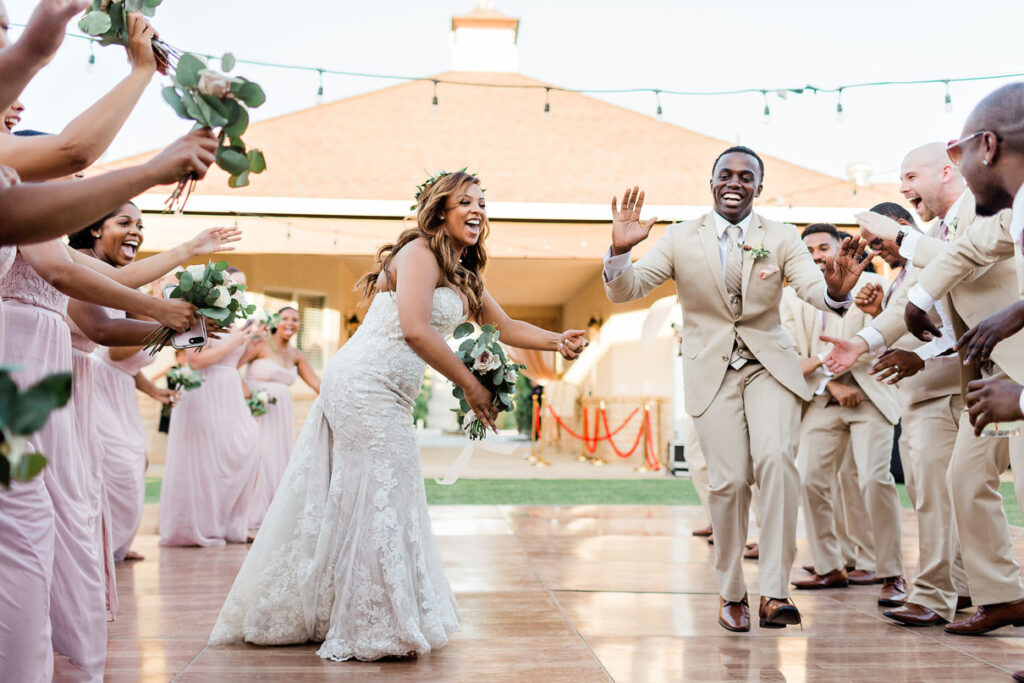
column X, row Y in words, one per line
column 804, row 324
column 688, row 253
column 977, row 289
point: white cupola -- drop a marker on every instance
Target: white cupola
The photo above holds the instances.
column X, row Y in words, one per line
column 484, row 39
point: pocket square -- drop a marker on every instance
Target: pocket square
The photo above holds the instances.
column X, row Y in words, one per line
column 767, row 272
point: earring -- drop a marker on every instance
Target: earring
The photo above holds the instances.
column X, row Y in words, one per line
column 984, row 162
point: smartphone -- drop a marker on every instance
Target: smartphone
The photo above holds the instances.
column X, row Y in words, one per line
column 191, row 338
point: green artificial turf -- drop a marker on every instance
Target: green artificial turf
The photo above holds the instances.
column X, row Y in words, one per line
column 667, row 491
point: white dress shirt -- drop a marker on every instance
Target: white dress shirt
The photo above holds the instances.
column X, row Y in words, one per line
column 614, row 266
column 917, row 294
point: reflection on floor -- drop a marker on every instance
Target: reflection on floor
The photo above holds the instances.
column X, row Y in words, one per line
column 590, row 593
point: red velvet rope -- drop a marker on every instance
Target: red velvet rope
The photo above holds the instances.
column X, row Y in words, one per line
column 586, row 439
column 653, row 462
column 635, row 443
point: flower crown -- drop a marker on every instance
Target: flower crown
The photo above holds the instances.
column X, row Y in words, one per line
column 420, row 189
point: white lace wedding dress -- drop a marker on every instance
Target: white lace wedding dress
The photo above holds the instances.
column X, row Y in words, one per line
column 346, row 555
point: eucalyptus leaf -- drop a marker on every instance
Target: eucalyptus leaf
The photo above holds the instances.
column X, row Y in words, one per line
column 227, row 62
column 194, row 112
column 232, row 161
column 464, row 405
column 172, row 98
column 187, row 73
column 218, row 314
column 240, row 180
column 257, row 162
column 30, row 465
column 463, row 330
column 247, row 91
column 152, row 3
column 95, row 23
column 210, row 117
column 489, row 329
column 238, row 122
column 499, row 376
column 220, row 266
column 186, row 281
column 8, row 397
column 217, row 105
column 457, row 392
column 5, row 472
column 34, row 406
column 133, row 5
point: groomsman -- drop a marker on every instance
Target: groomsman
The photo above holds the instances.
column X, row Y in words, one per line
column 849, row 412
column 743, row 382
column 931, row 405
column 976, row 464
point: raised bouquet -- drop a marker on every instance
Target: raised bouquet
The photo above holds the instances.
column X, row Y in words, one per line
column 198, row 93
column 259, row 401
column 213, row 292
column 184, row 377
column 486, row 359
column 22, row 414
column 266, row 319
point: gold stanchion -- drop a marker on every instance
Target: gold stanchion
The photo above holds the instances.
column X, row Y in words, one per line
column 583, row 457
column 538, row 459
column 597, row 460
column 642, row 467
column 534, row 435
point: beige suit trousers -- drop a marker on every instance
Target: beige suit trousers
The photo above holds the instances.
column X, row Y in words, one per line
column 931, row 427
column 825, row 434
column 749, row 434
column 973, row 478
column 855, row 543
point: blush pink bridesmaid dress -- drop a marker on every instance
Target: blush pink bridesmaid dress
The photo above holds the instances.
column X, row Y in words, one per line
column 277, row 431
column 55, row 546
column 211, row 460
column 122, row 441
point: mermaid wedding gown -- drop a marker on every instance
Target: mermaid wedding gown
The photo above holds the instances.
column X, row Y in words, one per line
column 346, row 555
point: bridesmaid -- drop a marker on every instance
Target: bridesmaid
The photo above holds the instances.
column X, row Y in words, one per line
column 273, row 365
column 211, row 449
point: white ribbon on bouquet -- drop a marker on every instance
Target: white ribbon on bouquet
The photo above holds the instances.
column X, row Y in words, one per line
column 455, row 471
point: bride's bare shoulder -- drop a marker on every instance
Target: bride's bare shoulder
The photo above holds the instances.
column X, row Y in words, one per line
column 416, row 257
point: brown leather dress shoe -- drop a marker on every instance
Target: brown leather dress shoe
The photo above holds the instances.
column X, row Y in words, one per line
column 752, row 551
column 893, row 593
column 834, row 579
column 963, row 602
column 734, row 616
column 862, row 577
column 705, row 532
column 1018, row 676
column 912, row 614
column 778, row 612
column 989, row 618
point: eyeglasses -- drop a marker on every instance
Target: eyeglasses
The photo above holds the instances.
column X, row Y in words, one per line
column 954, row 147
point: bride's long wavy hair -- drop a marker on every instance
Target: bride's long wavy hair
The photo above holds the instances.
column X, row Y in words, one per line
column 464, row 273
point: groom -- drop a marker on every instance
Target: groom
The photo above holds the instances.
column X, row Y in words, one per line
column 743, row 382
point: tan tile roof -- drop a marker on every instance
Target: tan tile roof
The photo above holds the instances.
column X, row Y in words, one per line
column 382, row 144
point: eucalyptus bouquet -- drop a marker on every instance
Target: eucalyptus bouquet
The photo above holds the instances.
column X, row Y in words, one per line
column 23, row 413
column 197, row 93
column 486, row 359
column 266, row 318
column 213, row 292
column 184, row 377
column 259, row 401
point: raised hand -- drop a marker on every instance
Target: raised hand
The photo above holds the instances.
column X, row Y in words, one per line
column 8, row 177
column 176, row 314
column 992, row 400
column 919, row 324
column 140, row 46
column 844, row 353
column 572, row 343
column 896, row 364
column 848, row 397
column 213, row 240
column 983, row 337
column 627, row 230
column 875, row 225
column 192, row 153
column 45, row 30
column 869, row 299
column 842, row 272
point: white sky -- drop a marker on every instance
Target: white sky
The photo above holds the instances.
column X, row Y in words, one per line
column 691, row 45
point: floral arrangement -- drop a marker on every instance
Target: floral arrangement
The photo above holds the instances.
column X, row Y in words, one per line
column 197, row 93
column 213, row 292
column 757, row 252
column 22, row 414
column 486, row 359
column 259, row 401
column 184, row 377
column 266, row 319
column 433, row 179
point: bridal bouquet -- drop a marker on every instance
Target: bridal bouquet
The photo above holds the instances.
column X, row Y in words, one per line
column 213, row 292
column 259, row 401
column 198, row 93
column 184, row 377
column 23, row 413
column 486, row 359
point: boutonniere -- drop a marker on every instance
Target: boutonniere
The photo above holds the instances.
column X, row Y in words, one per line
column 954, row 223
column 757, row 252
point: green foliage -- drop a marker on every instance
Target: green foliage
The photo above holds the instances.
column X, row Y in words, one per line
column 22, row 413
column 487, row 361
column 420, row 408
column 524, row 404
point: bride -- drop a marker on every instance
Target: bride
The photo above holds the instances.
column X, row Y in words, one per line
column 346, row 556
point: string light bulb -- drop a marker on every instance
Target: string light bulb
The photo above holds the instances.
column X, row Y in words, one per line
column 948, row 100
column 320, row 88
column 547, row 104
column 766, row 116
column 840, row 116
column 658, row 112
column 90, row 66
column 433, row 103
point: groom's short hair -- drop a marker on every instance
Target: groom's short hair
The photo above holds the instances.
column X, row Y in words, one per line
column 894, row 211
column 821, row 228
column 742, row 150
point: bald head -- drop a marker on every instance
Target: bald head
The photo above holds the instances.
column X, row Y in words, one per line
column 1002, row 112
column 930, row 181
column 992, row 149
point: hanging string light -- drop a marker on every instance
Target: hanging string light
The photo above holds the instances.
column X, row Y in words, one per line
column 90, row 66
column 840, row 116
column 766, row 116
column 320, row 88
column 547, row 104
column 948, row 99
column 433, row 104
column 658, row 113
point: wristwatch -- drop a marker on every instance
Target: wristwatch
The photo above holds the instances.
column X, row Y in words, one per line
column 899, row 237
